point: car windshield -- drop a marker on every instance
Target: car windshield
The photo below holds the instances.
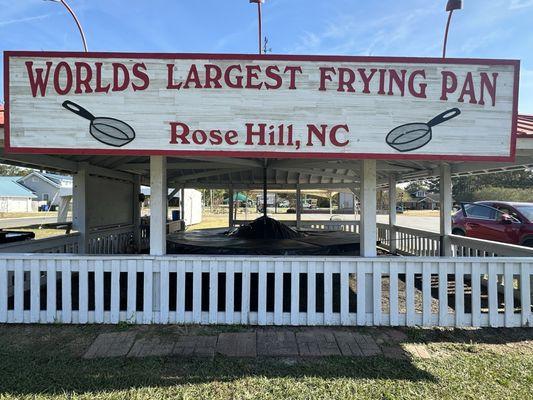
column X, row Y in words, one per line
column 527, row 211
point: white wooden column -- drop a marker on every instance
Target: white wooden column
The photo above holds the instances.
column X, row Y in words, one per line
column 392, row 212
column 298, row 207
column 158, row 205
column 182, row 205
column 368, row 209
column 136, row 212
column 230, row 208
column 445, row 209
column 62, row 212
column 80, row 204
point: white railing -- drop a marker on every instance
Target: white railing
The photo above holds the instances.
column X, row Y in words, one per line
column 324, row 225
column 56, row 244
column 408, row 241
column 319, row 290
column 470, row 247
column 113, row 240
column 172, row 227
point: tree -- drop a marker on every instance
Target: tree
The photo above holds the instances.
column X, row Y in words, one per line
column 10, row 170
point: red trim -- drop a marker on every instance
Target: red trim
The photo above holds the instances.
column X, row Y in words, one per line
column 255, row 154
column 275, row 57
column 7, row 142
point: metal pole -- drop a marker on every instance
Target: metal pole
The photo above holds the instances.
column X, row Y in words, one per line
column 260, row 24
column 71, row 11
column 446, row 34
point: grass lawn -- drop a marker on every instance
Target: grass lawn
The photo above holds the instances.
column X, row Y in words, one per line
column 44, row 362
column 44, row 233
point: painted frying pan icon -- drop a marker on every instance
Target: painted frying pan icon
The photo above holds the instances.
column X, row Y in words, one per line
column 411, row 137
column 110, row 131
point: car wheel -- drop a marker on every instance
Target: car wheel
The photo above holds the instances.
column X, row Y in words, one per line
column 528, row 243
column 458, row 232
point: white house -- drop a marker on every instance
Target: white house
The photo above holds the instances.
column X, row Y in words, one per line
column 13, row 196
column 48, row 187
column 191, row 209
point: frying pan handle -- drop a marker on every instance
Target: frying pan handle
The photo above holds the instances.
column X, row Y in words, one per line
column 445, row 116
column 79, row 110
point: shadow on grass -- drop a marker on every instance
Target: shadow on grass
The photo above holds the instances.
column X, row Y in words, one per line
column 32, row 374
column 47, row 360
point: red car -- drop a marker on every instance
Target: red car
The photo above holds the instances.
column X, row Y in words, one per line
column 496, row 220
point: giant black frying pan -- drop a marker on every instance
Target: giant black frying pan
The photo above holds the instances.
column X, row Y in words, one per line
column 110, row 131
column 410, row 137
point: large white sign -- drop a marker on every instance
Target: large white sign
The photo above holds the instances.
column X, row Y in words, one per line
column 260, row 106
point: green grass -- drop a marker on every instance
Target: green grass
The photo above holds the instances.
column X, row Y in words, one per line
column 44, row 362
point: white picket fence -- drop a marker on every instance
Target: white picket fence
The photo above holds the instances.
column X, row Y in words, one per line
column 322, row 225
column 391, row 291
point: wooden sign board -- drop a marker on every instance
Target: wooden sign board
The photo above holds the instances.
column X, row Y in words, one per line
column 260, row 106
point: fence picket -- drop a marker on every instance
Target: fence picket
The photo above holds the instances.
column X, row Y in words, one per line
column 328, row 294
column 345, row 293
column 493, row 296
column 376, row 292
column 295, row 292
column 18, row 314
column 262, row 294
column 99, row 291
column 148, row 292
column 443, row 294
column 525, row 293
column 35, row 291
column 361, row 295
column 508, row 295
column 459, row 294
column 476, row 294
column 164, row 298
column 115, row 291
column 180, row 292
column 278, row 293
column 311, row 293
column 66, row 292
column 83, row 292
column 393, row 293
column 410, row 295
column 426, row 294
column 197, row 291
column 230, row 288
column 131, row 308
column 245, row 306
column 213, row 291
column 51, row 291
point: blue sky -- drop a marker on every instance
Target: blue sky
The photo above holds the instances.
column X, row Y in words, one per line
column 484, row 29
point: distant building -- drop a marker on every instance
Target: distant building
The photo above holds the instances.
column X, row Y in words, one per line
column 193, row 203
column 422, row 200
column 48, row 187
column 14, row 197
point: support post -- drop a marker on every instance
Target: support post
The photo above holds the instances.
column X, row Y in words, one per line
column 445, row 210
column 182, row 206
column 80, row 211
column 298, row 207
column 62, row 212
column 136, row 212
column 368, row 209
column 392, row 213
column 158, row 205
column 231, row 221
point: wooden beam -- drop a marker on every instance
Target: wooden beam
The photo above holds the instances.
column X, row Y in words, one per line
column 41, row 161
column 206, row 174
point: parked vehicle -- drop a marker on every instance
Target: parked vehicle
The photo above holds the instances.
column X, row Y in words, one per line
column 499, row 221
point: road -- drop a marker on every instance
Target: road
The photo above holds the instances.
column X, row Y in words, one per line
column 20, row 222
